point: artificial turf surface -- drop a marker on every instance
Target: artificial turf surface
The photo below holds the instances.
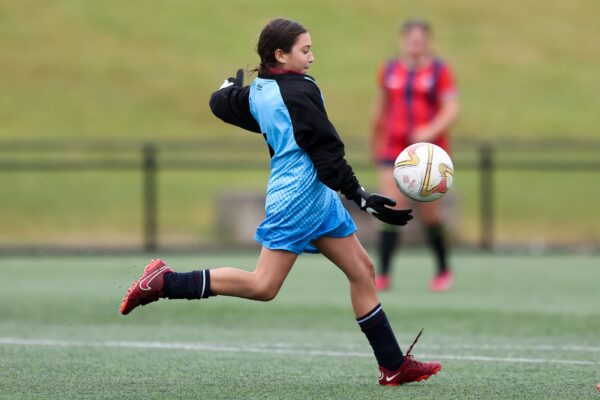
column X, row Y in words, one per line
column 518, row 327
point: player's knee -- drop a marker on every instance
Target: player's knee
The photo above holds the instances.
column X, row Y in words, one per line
column 364, row 271
column 266, row 295
column 266, row 292
column 369, row 268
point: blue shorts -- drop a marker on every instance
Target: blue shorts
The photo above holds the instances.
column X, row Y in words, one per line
column 294, row 231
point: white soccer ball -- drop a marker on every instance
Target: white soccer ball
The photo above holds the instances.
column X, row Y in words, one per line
column 423, row 172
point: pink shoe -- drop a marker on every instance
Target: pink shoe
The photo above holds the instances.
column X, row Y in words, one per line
column 382, row 282
column 441, row 282
column 141, row 293
column 411, row 370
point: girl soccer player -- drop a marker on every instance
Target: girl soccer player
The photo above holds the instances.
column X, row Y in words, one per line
column 303, row 211
column 417, row 103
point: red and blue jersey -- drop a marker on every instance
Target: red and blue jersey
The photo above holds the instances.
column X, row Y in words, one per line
column 412, row 98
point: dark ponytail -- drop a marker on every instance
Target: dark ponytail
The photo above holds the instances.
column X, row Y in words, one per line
column 281, row 34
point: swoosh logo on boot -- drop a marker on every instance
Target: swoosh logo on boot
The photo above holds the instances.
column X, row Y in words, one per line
column 390, row 378
column 145, row 283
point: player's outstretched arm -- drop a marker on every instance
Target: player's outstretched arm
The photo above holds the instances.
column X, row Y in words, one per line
column 231, row 103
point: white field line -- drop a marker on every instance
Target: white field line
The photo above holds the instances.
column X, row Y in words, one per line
column 533, row 347
column 455, row 346
column 508, row 347
column 266, row 350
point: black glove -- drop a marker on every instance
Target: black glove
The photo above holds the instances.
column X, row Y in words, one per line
column 375, row 204
column 238, row 81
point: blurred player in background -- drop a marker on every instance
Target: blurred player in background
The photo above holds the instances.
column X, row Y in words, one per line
column 417, row 102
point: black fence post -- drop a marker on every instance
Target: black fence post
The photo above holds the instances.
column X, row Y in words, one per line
column 150, row 195
column 486, row 199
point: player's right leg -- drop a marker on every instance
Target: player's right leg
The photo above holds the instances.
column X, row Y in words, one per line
column 159, row 281
column 389, row 236
column 431, row 215
column 262, row 284
column 394, row 367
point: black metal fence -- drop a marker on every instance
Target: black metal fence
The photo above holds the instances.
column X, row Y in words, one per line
column 152, row 159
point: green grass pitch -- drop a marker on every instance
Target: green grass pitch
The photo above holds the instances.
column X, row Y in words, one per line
column 514, row 327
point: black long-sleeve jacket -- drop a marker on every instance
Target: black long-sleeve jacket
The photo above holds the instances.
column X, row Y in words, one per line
column 313, row 132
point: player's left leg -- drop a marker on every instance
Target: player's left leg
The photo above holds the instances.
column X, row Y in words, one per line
column 431, row 215
column 159, row 281
column 389, row 235
column 395, row 368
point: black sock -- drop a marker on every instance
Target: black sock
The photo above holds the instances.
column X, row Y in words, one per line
column 187, row 285
column 436, row 236
column 376, row 327
column 387, row 244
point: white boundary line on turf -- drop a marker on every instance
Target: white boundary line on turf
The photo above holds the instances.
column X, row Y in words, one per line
column 454, row 346
column 266, row 350
column 507, row 347
column 534, row 347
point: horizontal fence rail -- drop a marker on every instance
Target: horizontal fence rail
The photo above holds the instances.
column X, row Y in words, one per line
column 152, row 158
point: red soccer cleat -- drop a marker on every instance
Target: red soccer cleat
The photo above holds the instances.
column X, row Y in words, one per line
column 147, row 288
column 382, row 282
column 411, row 370
column 441, row 282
